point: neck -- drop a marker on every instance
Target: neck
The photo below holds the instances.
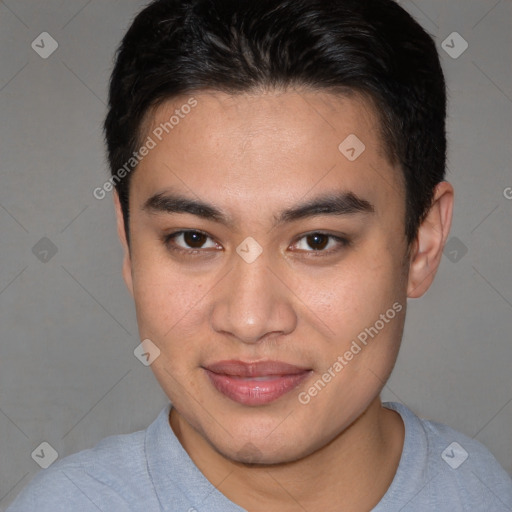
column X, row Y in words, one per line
column 351, row 473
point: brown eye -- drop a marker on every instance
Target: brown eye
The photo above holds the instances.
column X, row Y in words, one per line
column 189, row 241
column 194, row 239
column 317, row 241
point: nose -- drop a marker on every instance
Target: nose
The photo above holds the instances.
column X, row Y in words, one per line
column 251, row 303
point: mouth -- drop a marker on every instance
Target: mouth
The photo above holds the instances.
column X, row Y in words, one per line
column 256, row 383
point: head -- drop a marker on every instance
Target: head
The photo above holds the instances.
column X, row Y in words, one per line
column 279, row 172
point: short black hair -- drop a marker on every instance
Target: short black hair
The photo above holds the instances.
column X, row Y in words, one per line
column 370, row 47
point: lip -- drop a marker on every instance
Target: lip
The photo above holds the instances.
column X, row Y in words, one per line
column 255, row 383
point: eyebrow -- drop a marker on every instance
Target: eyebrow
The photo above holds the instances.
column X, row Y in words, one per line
column 342, row 203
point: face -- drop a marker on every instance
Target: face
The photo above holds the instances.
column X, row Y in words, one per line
column 267, row 264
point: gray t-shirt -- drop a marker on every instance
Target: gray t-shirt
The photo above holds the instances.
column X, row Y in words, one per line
column 440, row 470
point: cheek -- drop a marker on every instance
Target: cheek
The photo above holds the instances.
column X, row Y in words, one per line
column 171, row 317
column 171, row 314
column 168, row 303
column 352, row 296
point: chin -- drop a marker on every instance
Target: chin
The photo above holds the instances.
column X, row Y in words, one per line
column 251, row 454
column 252, row 449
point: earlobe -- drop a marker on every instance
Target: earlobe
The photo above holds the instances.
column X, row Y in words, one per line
column 428, row 247
column 127, row 264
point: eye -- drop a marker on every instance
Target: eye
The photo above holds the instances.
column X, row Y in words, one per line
column 319, row 242
column 189, row 241
column 194, row 242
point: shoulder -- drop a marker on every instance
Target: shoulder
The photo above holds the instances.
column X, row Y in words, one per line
column 452, row 471
column 469, row 465
column 112, row 475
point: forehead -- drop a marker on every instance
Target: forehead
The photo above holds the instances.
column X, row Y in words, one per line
column 271, row 144
column 305, row 112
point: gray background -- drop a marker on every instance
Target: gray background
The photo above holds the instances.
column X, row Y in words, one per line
column 68, row 375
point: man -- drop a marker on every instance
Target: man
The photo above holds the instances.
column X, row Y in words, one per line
column 280, row 194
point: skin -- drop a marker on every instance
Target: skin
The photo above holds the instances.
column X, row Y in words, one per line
column 252, row 156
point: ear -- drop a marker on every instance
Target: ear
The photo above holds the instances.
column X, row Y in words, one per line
column 427, row 249
column 127, row 262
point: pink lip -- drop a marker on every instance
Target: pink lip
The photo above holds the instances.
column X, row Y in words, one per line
column 255, row 383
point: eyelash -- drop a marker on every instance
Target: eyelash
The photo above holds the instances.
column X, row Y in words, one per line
column 342, row 241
